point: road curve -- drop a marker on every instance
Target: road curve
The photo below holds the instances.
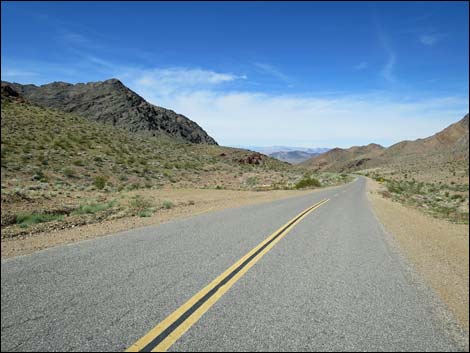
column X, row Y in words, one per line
column 333, row 283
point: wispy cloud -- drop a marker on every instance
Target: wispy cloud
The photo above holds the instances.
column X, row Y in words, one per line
column 9, row 74
column 165, row 81
column 273, row 71
column 387, row 72
column 430, row 39
column 75, row 38
column 361, row 66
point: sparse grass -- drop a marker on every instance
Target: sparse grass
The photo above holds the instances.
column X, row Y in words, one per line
column 146, row 213
column 27, row 219
column 252, row 181
column 138, row 203
column 437, row 199
column 80, row 146
column 92, row 208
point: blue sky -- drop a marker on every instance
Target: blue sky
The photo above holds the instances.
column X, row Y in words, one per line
column 264, row 73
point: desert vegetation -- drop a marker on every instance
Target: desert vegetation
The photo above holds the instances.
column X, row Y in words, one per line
column 62, row 170
column 439, row 199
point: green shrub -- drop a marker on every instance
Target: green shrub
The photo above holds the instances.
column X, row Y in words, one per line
column 307, row 182
column 27, row 219
column 146, row 213
column 252, row 181
column 78, row 163
column 69, row 173
column 92, row 208
column 167, row 204
column 99, row 182
column 139, row 204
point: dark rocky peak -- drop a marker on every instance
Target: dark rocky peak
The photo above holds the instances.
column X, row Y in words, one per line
column 111, row 102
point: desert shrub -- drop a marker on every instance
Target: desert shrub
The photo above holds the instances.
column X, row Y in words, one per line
column 69, row 172
column 40, row 176
column 92, row 208
column 139, row 204
column 78, row 163
column 307, row 182
column 27, row 219
column 167, row 204
column 99, row 182
column 379, row 179
column 146, row 213
column 252, row 181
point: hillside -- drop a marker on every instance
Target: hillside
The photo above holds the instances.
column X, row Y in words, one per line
column 57, row 147
column 444, row 151
column 113, row 103
column 293, row 157
column 339, row 159
column 55, row 163
column 448, row 144
column 430, row 173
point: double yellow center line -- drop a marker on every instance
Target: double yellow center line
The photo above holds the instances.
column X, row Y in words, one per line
column 167, row 332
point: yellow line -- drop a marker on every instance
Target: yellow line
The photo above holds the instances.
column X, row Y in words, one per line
column 195, row 316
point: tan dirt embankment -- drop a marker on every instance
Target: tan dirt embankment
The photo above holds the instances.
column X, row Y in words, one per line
column 438, row 249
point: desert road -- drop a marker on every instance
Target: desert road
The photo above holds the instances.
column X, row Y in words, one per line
column 310, row 273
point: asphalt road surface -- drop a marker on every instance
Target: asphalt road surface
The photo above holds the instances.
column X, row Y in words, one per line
column 330, row 281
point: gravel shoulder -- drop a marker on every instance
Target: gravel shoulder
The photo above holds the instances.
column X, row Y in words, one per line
column 187, row 202
column 438, row 249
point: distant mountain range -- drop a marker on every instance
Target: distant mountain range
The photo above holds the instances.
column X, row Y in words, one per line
column 273, row 149
column 113, row 103
column 293, row 155
column 448, row 146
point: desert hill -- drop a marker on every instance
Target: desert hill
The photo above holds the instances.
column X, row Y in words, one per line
column 445, row 149
column 113, row 103
column 339, row 159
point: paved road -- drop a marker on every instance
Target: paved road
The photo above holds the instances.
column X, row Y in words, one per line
column 332, row 283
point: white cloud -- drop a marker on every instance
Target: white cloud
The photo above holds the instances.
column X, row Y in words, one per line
column 168, row 80
column 249, row 118
column 429, row 39
column 260, row 118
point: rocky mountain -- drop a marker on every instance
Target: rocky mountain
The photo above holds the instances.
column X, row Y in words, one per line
column 339, row 159
column 11, row 95
column 293, row 157
column 445, row 149
column 113, row 103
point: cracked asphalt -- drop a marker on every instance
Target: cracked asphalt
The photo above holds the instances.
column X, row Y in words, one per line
column 334, row 283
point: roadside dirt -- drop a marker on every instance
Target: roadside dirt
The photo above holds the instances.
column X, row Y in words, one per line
column 186, row 203
column 438, row 249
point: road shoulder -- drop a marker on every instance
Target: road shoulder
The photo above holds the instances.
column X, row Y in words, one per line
column 438, row 249
column 187, row 203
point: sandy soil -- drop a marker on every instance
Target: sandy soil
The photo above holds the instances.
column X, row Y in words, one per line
column 438, row 249
column 188, row 202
